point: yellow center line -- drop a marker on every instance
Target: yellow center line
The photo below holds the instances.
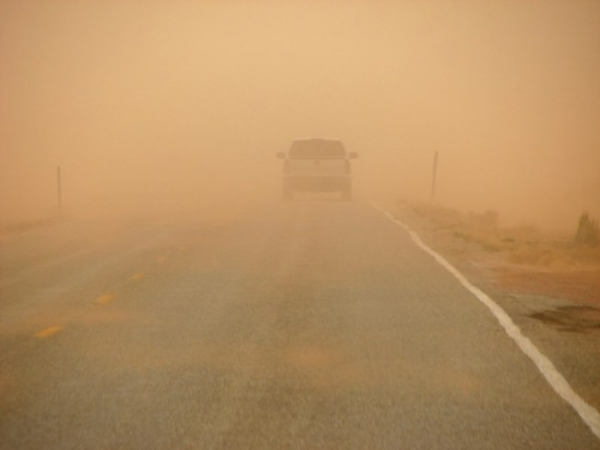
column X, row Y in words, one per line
column 105, row 299
column 138, row 276
column 48, row 332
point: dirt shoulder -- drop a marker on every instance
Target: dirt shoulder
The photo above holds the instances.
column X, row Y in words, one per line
column 521, row 260
column 549, row 286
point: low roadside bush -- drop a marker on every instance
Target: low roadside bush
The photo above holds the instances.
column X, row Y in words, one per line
column 587, row 231
column 487, row 220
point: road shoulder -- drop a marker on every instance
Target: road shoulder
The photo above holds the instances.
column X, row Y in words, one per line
column 558, row 310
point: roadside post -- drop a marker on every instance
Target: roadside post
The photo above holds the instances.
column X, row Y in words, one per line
column 433, row 180
column 59, row 191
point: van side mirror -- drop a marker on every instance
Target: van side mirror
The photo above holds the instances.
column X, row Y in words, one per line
column 352, row 155
column 280, row 155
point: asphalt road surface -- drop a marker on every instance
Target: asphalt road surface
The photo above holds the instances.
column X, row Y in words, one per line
column 308, row 325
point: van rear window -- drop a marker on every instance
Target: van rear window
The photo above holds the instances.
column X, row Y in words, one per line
column 317, row 149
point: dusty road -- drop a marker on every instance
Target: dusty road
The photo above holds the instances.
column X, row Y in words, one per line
column 309, row 325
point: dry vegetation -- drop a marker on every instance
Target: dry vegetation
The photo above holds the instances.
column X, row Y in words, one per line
column 522, row 245
column 519, row 259
column 24, row 226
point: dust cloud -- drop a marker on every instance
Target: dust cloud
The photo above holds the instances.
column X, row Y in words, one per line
column 164, row 106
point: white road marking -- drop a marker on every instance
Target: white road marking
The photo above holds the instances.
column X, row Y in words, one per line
column 588, row 413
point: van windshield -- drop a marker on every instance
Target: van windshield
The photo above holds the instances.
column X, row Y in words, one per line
column 317, row 149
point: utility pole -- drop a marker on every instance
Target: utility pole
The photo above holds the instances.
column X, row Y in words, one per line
column 59, row 190
column 433, row 180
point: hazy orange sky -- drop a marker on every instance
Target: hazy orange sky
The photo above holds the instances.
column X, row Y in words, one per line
column 168, row 102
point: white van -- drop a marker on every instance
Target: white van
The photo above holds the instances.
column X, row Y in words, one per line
column 317, row 165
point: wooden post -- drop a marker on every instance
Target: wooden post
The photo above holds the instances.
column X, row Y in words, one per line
column 59, row 190
column 433, row 180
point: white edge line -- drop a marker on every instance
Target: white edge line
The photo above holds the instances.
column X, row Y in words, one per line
column 588, row 413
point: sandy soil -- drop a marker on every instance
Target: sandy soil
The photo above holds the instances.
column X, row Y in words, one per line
column 525, row 262
column 581, row 286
